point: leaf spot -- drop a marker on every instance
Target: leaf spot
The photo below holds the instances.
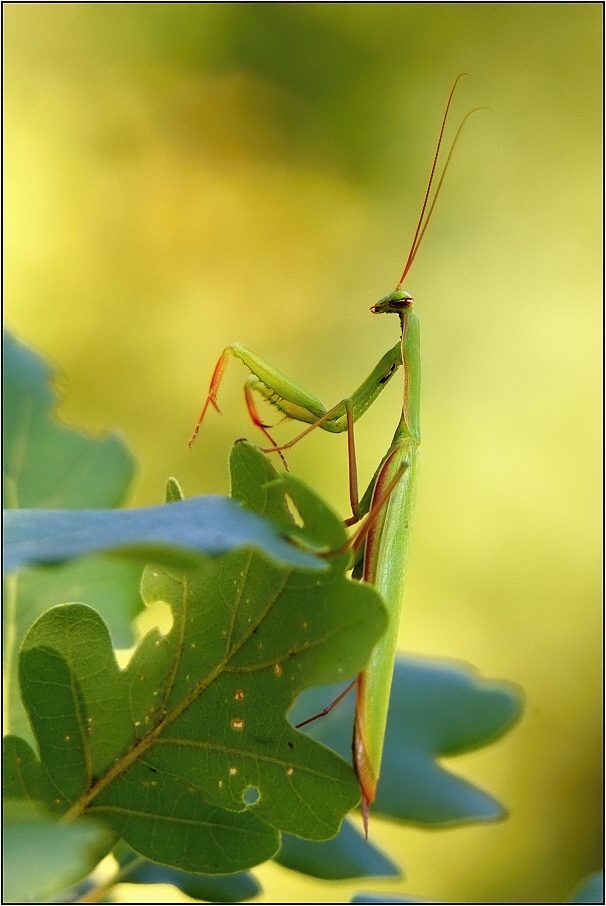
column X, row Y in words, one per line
column 137, row 723
column 290, row 772
column 220, row 783
column 277, row 669
column 57, row 801
column 304, row 625
column 233, row 771
column 237, row 724
column 67, row 738
column 239, row 696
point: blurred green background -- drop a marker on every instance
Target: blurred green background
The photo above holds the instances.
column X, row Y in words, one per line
column 181, row 176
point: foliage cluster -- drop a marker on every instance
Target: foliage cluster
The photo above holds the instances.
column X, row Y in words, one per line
column 186, row 764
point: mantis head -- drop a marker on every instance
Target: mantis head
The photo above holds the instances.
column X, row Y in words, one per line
column 397, row 302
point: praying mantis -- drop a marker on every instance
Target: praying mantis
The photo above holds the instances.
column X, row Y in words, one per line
column 389, row 499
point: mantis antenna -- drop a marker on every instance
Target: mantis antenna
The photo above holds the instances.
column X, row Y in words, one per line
column 423, row 223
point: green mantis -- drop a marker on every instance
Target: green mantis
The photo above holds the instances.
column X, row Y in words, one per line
column 389, row 499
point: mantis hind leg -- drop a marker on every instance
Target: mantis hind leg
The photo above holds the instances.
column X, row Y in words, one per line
column 328, row 708
column 354, row 494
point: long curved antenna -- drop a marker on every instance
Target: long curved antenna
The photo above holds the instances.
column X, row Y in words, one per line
column 439, row 186
column 415, row 243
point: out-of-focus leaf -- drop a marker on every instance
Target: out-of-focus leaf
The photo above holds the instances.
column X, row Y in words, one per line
column 109, row 585
column 47, row 464
column 386, row 898
column 174, row 535
column 348, row 855
column 43, row 856
column 590, row 889
column 437, row 709
column 235, row 888
column 187, row 753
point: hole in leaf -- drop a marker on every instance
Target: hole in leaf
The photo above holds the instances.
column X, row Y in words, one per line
column 157, row 615
column 294, row 512
column 251, row 795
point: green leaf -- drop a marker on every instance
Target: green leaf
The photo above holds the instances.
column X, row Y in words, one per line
column 23, row 775
column 590, row 889
column 109, row 585
column 437, row 709
column 173, row 491
column 176, row 535
column 187, row 753
column 348, row 855
column 235, row 888
column 43, row 856
column 47, row 464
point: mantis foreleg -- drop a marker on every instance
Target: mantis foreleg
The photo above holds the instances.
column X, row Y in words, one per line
column 297, row 403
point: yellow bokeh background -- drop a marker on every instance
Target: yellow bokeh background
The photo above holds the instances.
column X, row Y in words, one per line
column 181, row 176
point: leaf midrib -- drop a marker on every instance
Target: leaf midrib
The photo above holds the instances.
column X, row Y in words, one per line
column 129, row 758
